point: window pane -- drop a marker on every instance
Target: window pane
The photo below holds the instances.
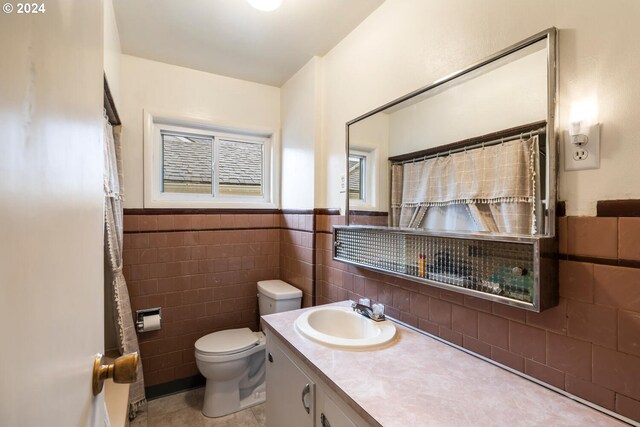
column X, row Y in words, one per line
column 240, row 168
column 356, row 180
column 186, row 164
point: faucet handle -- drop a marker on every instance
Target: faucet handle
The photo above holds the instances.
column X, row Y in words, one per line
column 365, row 301
column 378, row 310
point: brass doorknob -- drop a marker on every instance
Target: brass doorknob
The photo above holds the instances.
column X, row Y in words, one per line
column 123, row 370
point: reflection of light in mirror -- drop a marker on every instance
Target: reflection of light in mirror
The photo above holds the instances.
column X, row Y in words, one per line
column 584, row 111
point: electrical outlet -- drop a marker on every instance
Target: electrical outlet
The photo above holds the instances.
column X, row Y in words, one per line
column 585, row 155
column 579, row 154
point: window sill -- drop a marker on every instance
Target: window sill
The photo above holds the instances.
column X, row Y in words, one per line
column 184, row 204
column 362, row 206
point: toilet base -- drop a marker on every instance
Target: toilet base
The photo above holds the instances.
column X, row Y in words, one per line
column 224, row 399
column 258, row 396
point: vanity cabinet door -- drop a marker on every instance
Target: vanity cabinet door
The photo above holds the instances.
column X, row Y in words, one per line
column 290, row 392
column 331, row 415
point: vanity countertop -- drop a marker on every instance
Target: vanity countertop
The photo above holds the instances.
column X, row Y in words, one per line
column 420, row 381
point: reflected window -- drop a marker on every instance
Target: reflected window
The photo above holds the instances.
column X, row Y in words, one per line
column 357, row 176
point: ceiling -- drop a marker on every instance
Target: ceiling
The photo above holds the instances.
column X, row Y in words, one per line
column 231, row 38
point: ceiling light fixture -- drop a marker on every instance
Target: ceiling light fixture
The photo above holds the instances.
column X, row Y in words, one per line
column 265, row 5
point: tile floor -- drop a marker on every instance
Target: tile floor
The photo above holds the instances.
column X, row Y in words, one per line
column 184, row 410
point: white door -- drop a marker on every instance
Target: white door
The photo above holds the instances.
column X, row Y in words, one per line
column 51, row 201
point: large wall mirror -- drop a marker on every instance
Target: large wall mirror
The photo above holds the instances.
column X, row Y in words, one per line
column 473, row 153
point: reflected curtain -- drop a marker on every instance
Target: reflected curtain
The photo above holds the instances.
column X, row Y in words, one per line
column 486, row 189
column 125, row 328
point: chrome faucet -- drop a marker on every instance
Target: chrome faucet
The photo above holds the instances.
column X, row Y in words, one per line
column 367, row 311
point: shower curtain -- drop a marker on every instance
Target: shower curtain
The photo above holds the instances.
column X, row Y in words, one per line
column 486, row 189
column 126, row 333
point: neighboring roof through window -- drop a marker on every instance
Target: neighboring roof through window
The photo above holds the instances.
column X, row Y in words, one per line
column 188, row 159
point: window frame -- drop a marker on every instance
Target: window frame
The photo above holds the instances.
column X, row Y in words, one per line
column 157, row 123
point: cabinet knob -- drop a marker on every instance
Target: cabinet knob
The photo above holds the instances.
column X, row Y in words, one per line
column 270, row 358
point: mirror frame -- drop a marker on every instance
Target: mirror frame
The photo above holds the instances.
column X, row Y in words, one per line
column 549, row 203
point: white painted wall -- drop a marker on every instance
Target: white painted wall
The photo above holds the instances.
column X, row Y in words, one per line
column 112, row 51
column 184, row 93
column 301, row 125
column 406, row 44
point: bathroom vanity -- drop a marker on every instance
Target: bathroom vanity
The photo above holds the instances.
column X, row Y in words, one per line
column 298, row 396
column 414, row 380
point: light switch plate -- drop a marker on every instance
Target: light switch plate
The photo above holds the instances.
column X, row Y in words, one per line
column 585, row 156
column 343, row 182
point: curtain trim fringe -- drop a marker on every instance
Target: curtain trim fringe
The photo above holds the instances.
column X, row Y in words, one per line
column 134, row 407
column 113, row 195
column 528, row 199
column 117, row 273
column 532, row 170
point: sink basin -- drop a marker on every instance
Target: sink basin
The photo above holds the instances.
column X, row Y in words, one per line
column 344, row 328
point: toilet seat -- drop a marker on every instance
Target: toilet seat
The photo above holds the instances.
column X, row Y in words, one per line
column 227, row 342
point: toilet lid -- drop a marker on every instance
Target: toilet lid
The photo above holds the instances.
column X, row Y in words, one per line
column 227, row 342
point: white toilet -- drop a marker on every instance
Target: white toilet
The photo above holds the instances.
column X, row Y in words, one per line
column 233, row 361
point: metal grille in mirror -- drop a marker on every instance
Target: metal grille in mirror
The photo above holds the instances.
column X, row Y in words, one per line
column 505, row 270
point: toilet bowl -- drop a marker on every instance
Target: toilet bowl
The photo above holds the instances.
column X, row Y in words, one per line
column 233, row 360
column 223, row 358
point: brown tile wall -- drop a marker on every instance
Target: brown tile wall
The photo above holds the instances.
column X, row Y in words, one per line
column 589, row 345
column 374, row 218
column 297, row 253
column 202, row 270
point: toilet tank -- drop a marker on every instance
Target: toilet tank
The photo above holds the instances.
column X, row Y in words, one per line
column 276, row 296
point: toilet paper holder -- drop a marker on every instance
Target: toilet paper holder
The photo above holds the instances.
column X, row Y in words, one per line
column 141, row 314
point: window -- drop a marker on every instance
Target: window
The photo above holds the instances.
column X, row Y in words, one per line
column 240, row 167
column 186, row 164
column 191, row 164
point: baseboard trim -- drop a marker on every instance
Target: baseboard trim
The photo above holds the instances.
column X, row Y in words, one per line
column 175, row 386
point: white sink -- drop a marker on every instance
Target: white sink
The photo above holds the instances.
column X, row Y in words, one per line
column 344, row 328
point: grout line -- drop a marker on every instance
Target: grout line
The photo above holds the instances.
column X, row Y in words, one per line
column 192, row 230
column 314, row 260
column 601, row 261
